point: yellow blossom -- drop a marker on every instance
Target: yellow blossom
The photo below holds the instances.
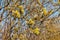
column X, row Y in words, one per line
column 36, row 31
column 16, row 14
column 31, row 21
column 45, row 11
column 21, row 8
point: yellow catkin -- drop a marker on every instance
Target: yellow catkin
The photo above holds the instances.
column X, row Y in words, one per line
column 31, row 21
column 36, row 31
column 16, row 14
column 21, row 8
column 44, row 11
